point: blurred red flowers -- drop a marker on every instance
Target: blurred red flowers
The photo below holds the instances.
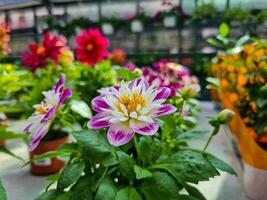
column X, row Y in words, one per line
column 117, row 56
column 91, row 46
column 49, row 50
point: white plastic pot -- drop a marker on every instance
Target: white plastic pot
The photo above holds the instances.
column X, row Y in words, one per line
column 255, row 181
column 137, row 26
column 169, row 21
column 107, row 28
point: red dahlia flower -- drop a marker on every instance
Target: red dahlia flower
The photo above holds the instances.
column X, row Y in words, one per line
column 91, row 46
column 50, row 49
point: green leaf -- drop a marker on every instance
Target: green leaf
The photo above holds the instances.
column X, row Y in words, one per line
column 220, row 164
column 141, row 173
column 126, row 165
column 50, row 154
column 224, row 29
column 94, row 144
column 160, row 186
column 81, row 108
column 49, row 195
column 128, row 193
column 127, row 74
column 190, row 135
column 82, row 190
column 193, row 191
column 6, row 151
column 149, row 150
column 3, row 195
column 106, row 190
column 187, row 166
column 243, row 40
column 7, row 135
column 214, row 42
column 70, row 175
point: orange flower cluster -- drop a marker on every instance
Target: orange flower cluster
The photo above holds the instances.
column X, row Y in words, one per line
column 4, row 39
column 243, row 79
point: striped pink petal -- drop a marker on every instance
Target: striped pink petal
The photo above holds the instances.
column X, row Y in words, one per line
column 165, row 109
column 36, row 138
column 65, row 95
column 99, row 121
column 119, row 135
column 98, row 104
column 163, row 94
column 144, row 128
column 49, row 115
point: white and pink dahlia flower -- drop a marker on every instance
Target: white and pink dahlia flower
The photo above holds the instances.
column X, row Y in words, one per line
column 45, row 112
column 130, row 108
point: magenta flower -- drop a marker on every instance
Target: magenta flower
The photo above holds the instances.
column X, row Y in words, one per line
column 169, row 74
column 130, row 108
column 45, row 112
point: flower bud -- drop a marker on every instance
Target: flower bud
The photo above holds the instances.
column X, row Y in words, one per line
column 225, row 116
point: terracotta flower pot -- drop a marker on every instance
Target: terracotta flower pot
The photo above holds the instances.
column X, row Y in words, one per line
column 51, row 165
column 2, row 143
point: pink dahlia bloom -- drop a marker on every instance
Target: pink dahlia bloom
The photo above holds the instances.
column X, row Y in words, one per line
column 91, row 46
column 169, row 74
column 50, row 49
column 45, row 112
column 130, row 108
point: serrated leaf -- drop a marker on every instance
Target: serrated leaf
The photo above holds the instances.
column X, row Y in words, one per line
column 190, row 135
column 3, row 195
column 141, row 173
column 220, row 164
column 126, row 165
column 224, row 29
column 94, row 144
column 194, row 191
column 69, row 175
column 106, row 190
column 82, row 190
column 187, row 166
column 128, row 193
column 160, row 186
column 146, row 144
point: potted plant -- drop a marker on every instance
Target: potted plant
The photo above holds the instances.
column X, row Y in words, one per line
column 137, row 21
column 236, row 16
column 262, row 17
column 242, row 76
column 136, row 159
column 204, row 12
column 172, row 17
column 45, row 128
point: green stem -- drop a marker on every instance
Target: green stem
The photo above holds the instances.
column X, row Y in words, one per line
column 214, row 132
column 137, row 147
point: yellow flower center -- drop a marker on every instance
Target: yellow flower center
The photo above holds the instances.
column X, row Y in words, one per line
column 90, row 47
column 40, row 49
column 42, row 109
column 131, row 102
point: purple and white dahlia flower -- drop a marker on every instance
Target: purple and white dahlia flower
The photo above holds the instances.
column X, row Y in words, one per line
column 130, row 108
column 45, row 112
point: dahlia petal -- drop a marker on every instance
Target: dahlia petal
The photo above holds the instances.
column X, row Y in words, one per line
column 27, row 129
column 119, row 134
column 60, row 84
column 99, row 121
column 163, row 94
column 98, row 103
column 137, row 81
column 165, row 109
column 49, row 115
column 144, row 128
column 36, row 138
column 65, row 95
